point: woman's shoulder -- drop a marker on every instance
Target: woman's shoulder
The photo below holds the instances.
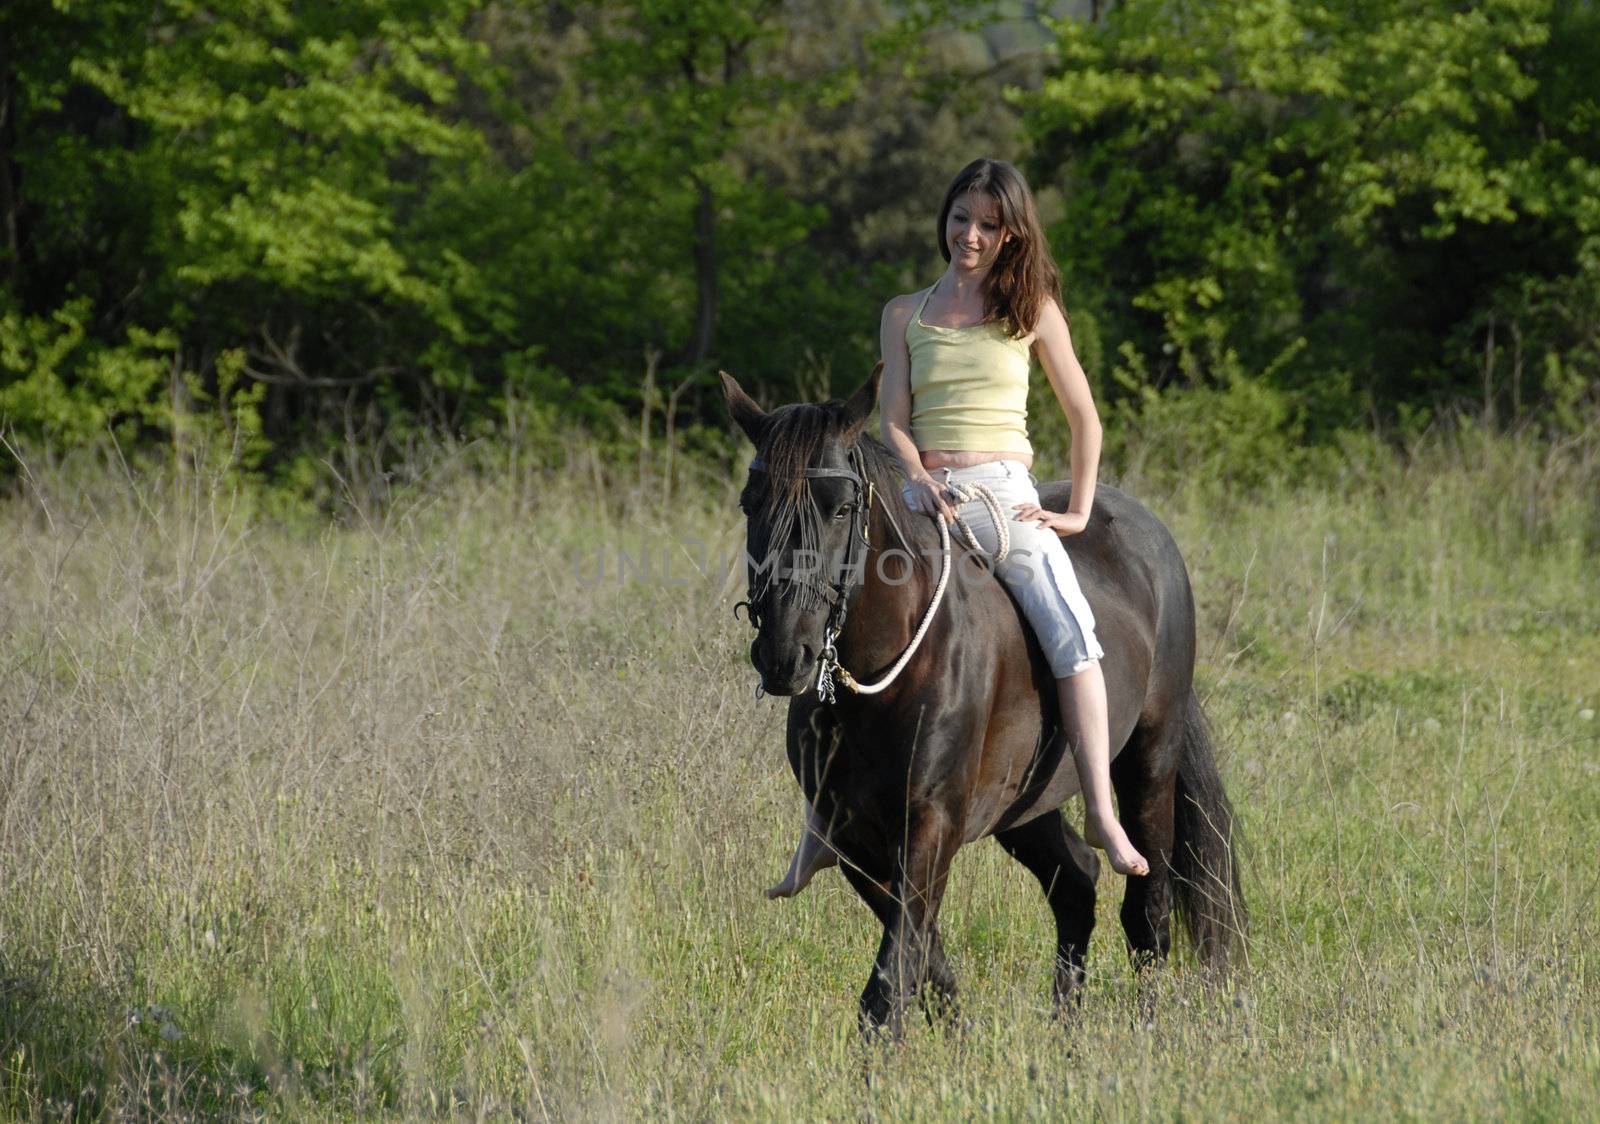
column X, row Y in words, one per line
column 902, row 306
column 1052, row 316
column 906, row 300
column 1052, row 319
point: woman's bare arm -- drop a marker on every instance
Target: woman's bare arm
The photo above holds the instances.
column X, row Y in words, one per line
column 1053, row 344
column 894, row 404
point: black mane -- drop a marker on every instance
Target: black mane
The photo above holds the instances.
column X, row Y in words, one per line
column 793, row 441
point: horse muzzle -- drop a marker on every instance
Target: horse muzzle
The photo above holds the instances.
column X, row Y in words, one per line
column 785, row 668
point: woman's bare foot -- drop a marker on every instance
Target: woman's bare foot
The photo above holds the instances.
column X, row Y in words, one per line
column 1091, row 833
column 1109, row 837
column 1083, row 711
column 811, row 856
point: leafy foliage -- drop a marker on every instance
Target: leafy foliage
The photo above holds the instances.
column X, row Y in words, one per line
column 1342, row 200
column 61, row 386
column 364, row 221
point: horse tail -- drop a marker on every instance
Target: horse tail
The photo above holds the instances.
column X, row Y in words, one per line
column 1205, row 865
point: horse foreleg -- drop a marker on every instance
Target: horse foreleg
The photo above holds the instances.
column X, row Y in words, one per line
column 811, row 854
column 937, row 992
column 1066, row 869
column 911, row 959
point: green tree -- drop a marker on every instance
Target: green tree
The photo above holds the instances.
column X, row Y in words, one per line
column 255, row 175
column 1337, row 199
column 725, row 183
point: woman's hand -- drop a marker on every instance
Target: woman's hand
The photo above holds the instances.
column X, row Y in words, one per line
column 927, row 495
column 1062, row 523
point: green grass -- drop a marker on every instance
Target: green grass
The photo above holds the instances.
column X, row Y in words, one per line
column 396, row 816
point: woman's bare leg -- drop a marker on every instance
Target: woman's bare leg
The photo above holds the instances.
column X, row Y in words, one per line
column 811, row 855
column 1083, row 709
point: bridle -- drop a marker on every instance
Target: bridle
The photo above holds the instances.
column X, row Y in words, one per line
column 853, row 573
column 850, row 574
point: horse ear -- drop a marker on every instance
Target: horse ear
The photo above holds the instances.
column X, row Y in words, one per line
column 742, row 408
column 859, row 408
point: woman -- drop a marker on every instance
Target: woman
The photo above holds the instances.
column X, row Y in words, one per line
column 953, row 404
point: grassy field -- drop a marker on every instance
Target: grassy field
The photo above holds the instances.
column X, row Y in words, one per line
column 427, row 811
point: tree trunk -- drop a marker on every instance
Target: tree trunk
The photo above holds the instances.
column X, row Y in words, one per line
column 705, row 269
column 8, row 181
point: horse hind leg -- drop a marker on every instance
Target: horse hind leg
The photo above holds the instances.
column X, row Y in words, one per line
column 1144, row 776
column 1178, row 814
column 1066, row 869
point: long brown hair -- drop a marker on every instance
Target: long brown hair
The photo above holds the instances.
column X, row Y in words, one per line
column 1024, row 276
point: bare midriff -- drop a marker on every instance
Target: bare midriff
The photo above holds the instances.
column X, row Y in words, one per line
column 966, row 458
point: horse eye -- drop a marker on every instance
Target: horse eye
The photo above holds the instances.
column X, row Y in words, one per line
column 844, row 511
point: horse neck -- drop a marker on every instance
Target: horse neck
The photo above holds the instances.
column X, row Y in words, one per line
column 888, row 610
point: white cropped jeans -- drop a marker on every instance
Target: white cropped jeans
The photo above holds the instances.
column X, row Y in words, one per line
column 1036, row 570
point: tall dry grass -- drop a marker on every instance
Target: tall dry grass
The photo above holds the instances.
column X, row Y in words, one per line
column 412, row 812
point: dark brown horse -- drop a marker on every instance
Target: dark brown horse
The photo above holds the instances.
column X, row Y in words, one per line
column 967, row 741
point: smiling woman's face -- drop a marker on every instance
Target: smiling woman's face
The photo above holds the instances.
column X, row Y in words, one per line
column 973, row 231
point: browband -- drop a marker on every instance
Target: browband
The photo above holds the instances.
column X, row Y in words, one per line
column 759, row 465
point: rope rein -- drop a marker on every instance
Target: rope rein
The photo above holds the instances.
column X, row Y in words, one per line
column 984, row 493
column 829, row 667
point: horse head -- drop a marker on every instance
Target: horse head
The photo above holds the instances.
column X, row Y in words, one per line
column 807, row 507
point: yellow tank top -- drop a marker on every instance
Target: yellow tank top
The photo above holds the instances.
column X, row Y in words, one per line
column 969, row 387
